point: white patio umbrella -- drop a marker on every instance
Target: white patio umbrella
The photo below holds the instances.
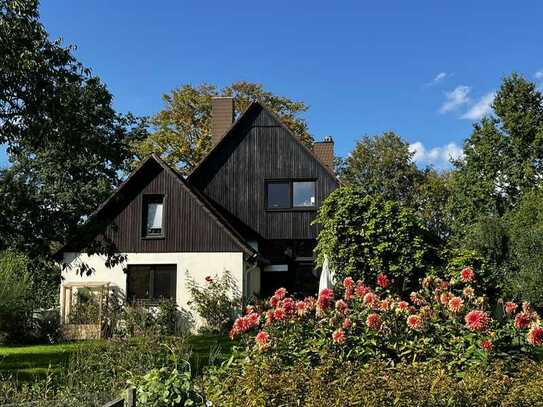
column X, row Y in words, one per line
column 327, row 276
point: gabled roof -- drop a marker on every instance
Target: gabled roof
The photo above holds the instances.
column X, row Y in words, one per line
column 198, row 196
column 253, row 107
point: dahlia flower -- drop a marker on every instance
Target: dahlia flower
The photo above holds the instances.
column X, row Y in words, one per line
column 373, row 321
column 382, row 281
column 280, row 293
column 522, row 320
column 361, row 290
column 477, row 320
column 262, row 339
column 279, row 314
column 348, row 282
column 486, row 344
column 510, row 307
column 348, row 296
column 403, row 305
column 535, row 335
column 467, row 275
column 444, row 298
column 288, row 305
column 369, row 298
column 326, row 297
column 456, row 304
column 468, row 292
column 338, row 336
column 274, row 301
column 347, row 324
column 341, row 306
column 414, row 322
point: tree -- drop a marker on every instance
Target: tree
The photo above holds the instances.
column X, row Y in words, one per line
column 525, row 233
column 382, row 165
column 503, row 156
column 66, row 144
column 363, row 235
column 182, row 130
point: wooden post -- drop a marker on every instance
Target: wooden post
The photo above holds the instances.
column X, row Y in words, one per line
column 131, row 397
column 63, row 309
column 100, row 312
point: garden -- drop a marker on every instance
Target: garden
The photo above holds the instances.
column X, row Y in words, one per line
column 437, row 273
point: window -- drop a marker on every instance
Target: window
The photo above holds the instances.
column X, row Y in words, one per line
column 303, row 194
column 153, row 216
column 290, row 194
column 151, row 283
column 278, row 195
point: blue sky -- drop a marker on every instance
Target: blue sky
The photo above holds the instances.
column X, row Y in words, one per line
column 425, row 69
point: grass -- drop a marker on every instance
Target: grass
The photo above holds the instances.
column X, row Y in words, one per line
column 29, row 363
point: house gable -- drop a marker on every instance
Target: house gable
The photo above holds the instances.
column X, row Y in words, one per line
column 260, row 148
column 190, row 223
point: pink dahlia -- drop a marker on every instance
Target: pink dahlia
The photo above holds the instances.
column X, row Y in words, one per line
column 477, row 320
column 403, row 305
column 467, row 275
column 456, row 304
column 535, row 335
column 338, row 336
column 369, row 298
column 522, row 320
column 347, row 324
column 486, row 344
column 361, row 290
column 279, row 314
column 274, row 301
column 510, row 307
column 373, row 321
column 326, row 297
column 281, row 293
column 385, row 304
column 348, row 282
column 262, row 339
column 301, row 307
column 348, row 296
column 414, row 322
column 269, row 318
column 382, row 281
column 288, row 305
column 341, row 306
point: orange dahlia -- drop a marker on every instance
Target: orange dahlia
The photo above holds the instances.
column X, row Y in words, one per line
column 338, row 336
column 456, row 304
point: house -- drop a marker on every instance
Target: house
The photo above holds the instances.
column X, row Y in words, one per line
column 246, row 208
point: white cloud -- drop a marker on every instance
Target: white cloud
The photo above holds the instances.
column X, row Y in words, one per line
column 481, row 108
column 454, row 99
column 438, row 78
column 539, row 75
column 438, row 157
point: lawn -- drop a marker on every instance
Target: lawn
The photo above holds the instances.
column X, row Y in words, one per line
column 28, row 363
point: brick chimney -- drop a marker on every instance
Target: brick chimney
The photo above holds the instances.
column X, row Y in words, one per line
column 324, row 150
column 222, row 117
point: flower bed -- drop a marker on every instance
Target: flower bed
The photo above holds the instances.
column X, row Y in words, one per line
column 444, row 321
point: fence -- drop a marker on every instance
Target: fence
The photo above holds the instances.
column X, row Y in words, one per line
column 129, row 402
column 90, row 400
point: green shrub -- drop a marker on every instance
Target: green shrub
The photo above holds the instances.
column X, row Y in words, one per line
column 364, row 235
column 265, row 382
column 167, row 387
column 217, row 301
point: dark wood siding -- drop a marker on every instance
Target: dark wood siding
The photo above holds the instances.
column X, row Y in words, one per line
column 188, row 225
column 262, row 149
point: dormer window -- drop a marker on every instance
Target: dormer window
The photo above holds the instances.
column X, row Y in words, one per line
column 290, row 194
column 153, row 216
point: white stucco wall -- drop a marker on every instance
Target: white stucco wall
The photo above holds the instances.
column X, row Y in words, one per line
column 198, row 266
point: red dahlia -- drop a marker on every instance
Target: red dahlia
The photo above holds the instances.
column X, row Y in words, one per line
column 414, row 322
column 486, row 344
column 522, row 320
